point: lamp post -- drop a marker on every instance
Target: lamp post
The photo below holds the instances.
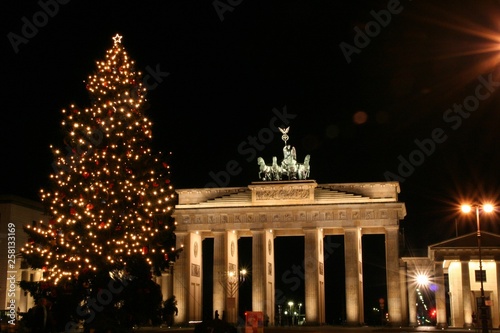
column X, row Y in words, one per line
column 290, row 304
column 486, row 208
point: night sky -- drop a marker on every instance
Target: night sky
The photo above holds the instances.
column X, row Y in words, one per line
column 372, row 90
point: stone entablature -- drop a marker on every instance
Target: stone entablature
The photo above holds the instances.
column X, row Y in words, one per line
column 283, row 192
column 321, row 217
column 197, row 195
column 298, row 192
column 465, row 248
column 291, row 206
column 447, row 256
column 373, row 190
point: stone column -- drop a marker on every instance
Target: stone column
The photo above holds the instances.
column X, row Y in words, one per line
column 163, row 281
column 263, row 298
column 496, row 322
column 258, row 270
column 270, row 276
column 314, row 277
column 233, row 282
column 392, row 274
column 353, row 276
column 181, row 278
column 412, row 301
column 220, row 269
column 440, row 295
column 403, row 286
column 466, row 294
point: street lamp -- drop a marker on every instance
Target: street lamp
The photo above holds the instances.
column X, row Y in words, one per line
column 422, row 279
column 290, row 304
column 485, row 208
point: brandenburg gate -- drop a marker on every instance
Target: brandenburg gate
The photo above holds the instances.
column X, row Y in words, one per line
column 265, row 210
column 272, row 208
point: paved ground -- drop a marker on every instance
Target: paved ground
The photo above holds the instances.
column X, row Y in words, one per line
column 322, row 329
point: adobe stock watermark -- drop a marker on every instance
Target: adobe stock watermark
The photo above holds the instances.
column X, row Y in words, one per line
column 296, row 274
column 40, row 19
column 154, row 77
column 454, row 118
column 222, row 6
column 381, row 19
column 10, row 288
column 95, row 138
column 249, row 148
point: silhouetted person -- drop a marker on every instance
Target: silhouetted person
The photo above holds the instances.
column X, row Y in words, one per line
column 224, row 316
column 42, row 318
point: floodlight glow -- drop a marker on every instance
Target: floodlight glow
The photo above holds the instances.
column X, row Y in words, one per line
column 466, row 208
column 422, row 280
column 488, row 208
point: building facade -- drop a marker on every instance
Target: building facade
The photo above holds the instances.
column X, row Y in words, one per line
column 453, row 268
column 269, row 209
column 16, row 212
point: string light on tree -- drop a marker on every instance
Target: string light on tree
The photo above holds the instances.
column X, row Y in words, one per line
column 111, row 196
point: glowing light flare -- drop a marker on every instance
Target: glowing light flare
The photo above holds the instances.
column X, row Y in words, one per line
column 466, row 208
column 487, row 208
column 422, row 279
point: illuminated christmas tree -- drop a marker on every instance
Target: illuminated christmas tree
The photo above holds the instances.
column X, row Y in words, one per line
column 111, row 197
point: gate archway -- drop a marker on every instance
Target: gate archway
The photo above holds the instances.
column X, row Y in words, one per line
column 266, row 210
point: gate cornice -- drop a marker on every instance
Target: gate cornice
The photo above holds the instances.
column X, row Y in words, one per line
column 291, row 206
column 343, row 216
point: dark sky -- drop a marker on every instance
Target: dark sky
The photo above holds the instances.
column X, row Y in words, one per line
column 418, row 86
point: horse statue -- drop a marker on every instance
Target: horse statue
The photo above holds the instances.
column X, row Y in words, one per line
column 265, row 171
column 304, row 169
column 276, row 169
column 289, row 167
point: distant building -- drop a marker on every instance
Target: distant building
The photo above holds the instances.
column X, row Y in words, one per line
column 15, row 212
column 453, row 268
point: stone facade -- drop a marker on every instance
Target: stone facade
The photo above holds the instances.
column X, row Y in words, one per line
column 266, row 210
column 17, row 212
column 453, row 267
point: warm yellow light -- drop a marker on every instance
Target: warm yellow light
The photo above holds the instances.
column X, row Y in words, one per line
column 488, row 208
column 422, row 280
column 466, row 208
